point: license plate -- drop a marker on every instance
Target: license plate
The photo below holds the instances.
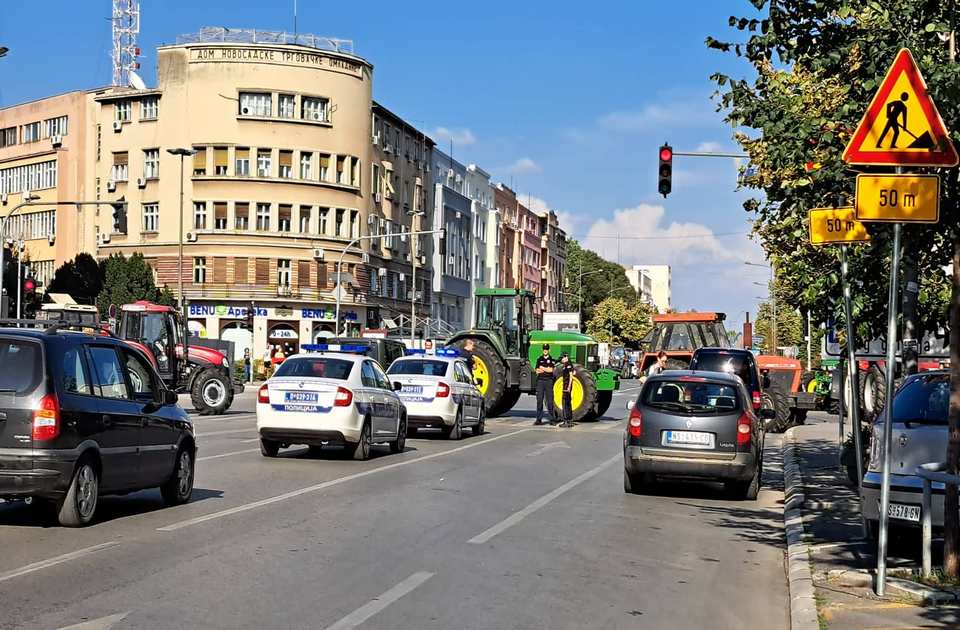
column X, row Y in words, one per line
column 688, row 438
column 903, row 512
column 412, row 389
column 300, row 397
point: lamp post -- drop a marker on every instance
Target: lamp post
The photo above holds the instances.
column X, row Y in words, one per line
column 580, row 277
column 773, row 303
column 183, row 305
column 413, row 276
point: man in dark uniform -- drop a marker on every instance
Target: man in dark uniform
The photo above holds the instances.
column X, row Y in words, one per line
column 566, row 376
column 468, row 347
column 544, row 370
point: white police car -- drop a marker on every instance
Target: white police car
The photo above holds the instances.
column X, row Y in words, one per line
column 330, row 395
column 438, row 392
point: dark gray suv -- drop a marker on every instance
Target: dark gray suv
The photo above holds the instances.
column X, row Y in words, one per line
column 693, row 424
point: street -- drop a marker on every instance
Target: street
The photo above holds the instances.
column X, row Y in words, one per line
column 524, row 527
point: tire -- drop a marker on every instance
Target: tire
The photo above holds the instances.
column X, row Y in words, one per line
column 806, row 380
column 507, row 402
column 873, row 392
column 491, row 367
column 361, row 450
column 456, row 431
column 745, row 490
column 78, row 507
column 636, row 484
column 269, row 448
column 481, row 425
column 797, row 417
column 604, row 399
column 211, row 393
column 397, row 445
column 782, row 408
column 584, row 411
column 179, row 488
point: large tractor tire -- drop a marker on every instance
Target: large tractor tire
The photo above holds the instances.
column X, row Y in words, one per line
column 781, row 407
column 873, row 392
column 583, row 398
column 808, row 382
column 604, row 399
column 507, row 401
column 491, row 371
column 211, row 393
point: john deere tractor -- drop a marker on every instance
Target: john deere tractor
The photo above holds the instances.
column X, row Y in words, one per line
column 506, row 348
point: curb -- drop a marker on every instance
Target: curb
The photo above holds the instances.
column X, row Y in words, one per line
column 803, row 606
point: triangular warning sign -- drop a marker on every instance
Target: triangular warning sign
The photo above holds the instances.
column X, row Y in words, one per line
column 902, row 126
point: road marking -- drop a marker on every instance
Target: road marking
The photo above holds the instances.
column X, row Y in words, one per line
column 103, row 623
column 628, row 389
column 607, row 425
column 327, row 484
column 256, row 439
column 547, row 447
column 202, row 420
column 518, row 516
column 380, row 602
column 67, row 557
column 249, row 450
column 227, row 432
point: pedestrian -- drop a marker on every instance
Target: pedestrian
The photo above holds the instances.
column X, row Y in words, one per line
column 544, row 370
column 468, row 354
column 247, row 365
column 660, row 365
column 566, row 376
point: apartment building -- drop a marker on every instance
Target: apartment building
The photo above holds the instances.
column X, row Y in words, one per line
column 553, row 259
column 507, row 209
column 653, row 284
column 478, row 188
column 453, row 262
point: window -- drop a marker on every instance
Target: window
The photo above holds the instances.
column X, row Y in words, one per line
column 375, row 179
column 388, row 240
column 119, row 171
column 368, row 377
column 220, row 161
column 263, row 217
column 305, row 219
column 256, row 104
column 322, row 275
column 149, row 108
column 242, row 162
column 8, row 137
column 56, row 126
column 341, row 162
column 30, row 132
column 122, row 111
column 286, row 164
column 75, row 378
column 324, row 167
column 354, row 224
column 283, row 273
column 151, row 217
column 220, row 215
column 32, row 225
column 355, row 172
column 303, row 274
column 108, row 373
column 287, row 106
column 324, row 367
column 199, row 270
column 241, row 213
column 419, row 367
column 306, row 161
column 151, row 163
column 200, row 161
column 241, row 274
column 199, row 215
column 29, row 177
column 263, row 163
column 374, row 278
column 340, row 226
column 314, row 109
column 324, row 215
column 284, row 214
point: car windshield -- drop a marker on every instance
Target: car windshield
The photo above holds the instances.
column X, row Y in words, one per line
column 688, row 396
column 26, row 356
column 419, row 367
column 724, row 362
column 924, row 400
column 321, row 367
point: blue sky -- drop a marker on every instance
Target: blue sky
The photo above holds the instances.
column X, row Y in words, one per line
column 569, row 104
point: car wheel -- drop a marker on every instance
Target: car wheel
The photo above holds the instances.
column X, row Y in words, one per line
column 269, row 448
column 179, row 488
column 361, row 450
column 636, row 484
column 456, row 431
column 80, row 504
column 745, row 490
column 397, row 445
column 211, row 393
column 482, row 422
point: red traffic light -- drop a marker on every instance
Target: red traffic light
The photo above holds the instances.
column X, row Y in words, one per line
column 666, row 154
column 29, row 286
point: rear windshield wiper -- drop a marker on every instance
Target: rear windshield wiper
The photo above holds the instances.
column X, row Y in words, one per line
column 670, row 405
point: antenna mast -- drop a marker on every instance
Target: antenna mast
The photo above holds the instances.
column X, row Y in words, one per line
column 126, row 26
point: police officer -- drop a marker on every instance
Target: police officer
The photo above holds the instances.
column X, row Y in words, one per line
column 468, row 353
column 544, row 370
column 566, row 380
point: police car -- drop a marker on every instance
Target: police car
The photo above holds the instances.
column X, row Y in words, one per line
column 439, row 392
column 330, row 395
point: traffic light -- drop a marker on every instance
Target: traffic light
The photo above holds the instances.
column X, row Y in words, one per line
column 119, row 216
column 665, row 173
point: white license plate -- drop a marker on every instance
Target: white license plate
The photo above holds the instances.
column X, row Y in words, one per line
column 412, row 389
column 903, row 512
column 688, row 438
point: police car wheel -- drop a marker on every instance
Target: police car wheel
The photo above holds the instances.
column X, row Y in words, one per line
column 481, row 423
column 397, row 445
column 361, row 450
column 456, row 431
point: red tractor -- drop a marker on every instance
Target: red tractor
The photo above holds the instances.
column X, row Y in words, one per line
column 159, row 331
column 679, row 334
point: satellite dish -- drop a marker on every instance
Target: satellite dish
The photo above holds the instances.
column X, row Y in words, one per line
column 136, row 82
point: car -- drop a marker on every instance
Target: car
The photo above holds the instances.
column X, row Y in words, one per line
column 693, row 424
column 383, row 351
column 920, row 434
column 439, row 392
column 330, row 395
column 733, row 361
column 82, row 416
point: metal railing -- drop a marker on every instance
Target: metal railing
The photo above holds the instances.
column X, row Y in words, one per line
column 930, row 473
column 221, row 35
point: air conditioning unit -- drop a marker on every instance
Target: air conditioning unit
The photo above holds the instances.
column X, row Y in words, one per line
column 317, row 116
column 141, row 182
column 111, row 186
column 382, row 272
column 191, row 237
column 104, row 238
column 376, row 139
column 117, row 126
column 377, row 198
column 365, row 259
column 421, row 260
column 56, row 141
column 3, row 198
column 452, row 260
column 318, row 254
column 403, row 277
column 51, row 239
column 450, row 172
column 371, row 220
column 245, row 111
column 459, row 215
column 387, row 148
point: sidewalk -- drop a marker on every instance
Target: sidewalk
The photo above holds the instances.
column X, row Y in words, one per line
column 842, row 561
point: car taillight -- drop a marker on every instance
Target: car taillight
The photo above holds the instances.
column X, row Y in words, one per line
column 443, row 390
column 743, row 430
column 756, row 400
column 344, row 397
column 635, row 424
column 263, row 396
column 46, row 419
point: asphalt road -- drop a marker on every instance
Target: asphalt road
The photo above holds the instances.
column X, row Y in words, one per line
column 523, row 527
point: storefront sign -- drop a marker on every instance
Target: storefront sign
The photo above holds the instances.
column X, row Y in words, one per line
column 283, row 333
column 318, row 313
column 220, row 310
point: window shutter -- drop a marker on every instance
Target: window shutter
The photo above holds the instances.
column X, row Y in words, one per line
column 200, row 159
column 120, row 159
column 322, row 280
column 286, row 158
column 220, row 156
column 243, row 154
column 240, row 271
column 303, row 274
column 263, row 271
column 220, row 270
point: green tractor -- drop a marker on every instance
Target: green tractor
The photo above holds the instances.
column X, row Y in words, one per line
column 506, row 348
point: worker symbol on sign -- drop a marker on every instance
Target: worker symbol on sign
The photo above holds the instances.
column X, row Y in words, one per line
column 896, row 112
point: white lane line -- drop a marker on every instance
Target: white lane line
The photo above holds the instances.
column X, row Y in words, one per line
column 67, row 557
column 202, row 420
column 228, row 432
column 103, row 623
column 518, row 516
column 380, row 602
column 256, row 439
column 546, row 447
column 327, row 484
column 249, row 450
column 628, row 389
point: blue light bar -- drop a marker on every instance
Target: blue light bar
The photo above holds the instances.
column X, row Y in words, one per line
column 414, row 351
column 448, row 352
column 335, row 347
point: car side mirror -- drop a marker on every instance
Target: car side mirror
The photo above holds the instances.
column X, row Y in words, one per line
column 397, row 386
column 768, row 414
column 168, row 397
column 766, row 381
column 630, row 405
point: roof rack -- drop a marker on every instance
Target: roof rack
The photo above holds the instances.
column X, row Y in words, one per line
column 52, row 327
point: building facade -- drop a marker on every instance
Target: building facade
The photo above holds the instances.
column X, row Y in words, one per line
column 653, row 284
column 478, row 189
column 507, row 209
column 452, row 262
column 553, row 260
column 530, row 259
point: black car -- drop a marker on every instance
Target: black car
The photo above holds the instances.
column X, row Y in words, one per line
column 742, row 363
column 383, row 351
column 83, row 416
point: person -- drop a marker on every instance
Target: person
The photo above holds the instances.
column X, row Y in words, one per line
column 544, row 370
column 660, row 365
column 896, row 112
column 468, row 354
column 566, row 376
column 247, row 365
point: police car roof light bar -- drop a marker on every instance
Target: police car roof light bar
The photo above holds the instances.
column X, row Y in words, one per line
column 335, row 347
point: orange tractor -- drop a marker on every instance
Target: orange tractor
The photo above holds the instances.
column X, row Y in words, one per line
column 791, row 401
column 679, row 334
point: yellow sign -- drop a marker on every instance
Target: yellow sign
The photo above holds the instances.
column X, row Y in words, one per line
column 898, row 198
column 836, row 225
column 902, row 126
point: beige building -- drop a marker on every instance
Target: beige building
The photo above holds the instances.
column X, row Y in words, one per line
column 653, row 283
column 553, row 262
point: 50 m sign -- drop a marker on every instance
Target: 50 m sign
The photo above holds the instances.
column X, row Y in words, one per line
column 899, row 198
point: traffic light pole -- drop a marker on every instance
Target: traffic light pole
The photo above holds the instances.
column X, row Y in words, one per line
column 719, row 154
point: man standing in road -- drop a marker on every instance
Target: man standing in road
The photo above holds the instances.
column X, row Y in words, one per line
column 660, row 365
column 566, row 376
column 247, row 366
column 544, row 370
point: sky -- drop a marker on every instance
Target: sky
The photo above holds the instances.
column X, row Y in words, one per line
column 568, row 105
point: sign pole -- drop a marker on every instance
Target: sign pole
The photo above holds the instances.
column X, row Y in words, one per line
column 851, row 369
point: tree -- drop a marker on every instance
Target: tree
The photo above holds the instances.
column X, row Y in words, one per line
column 615, row 321
column 126, row 280
column 167, row 298
column 789, row 327
column 80, row 278
column 816, row 67
column 601, row 279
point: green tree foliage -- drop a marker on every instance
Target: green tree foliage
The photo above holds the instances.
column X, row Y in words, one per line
column 616, row 321
column 605, row 279
column 80, row 278
column 126, row 280
column 167, row 298
column 789, row 327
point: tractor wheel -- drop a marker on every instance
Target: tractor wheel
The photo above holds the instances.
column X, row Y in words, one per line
column 507, row 401
column 873, row 392
column 676, row 364
column 808, row 382
column 211, row 393
column 782, row 408
column 604, row 399
column 583, row 397
column 797, row 417
column 491, row 371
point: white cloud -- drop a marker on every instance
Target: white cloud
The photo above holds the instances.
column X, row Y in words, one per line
column 710, row 147
column 460, row 137
column 653, row 117
column 536, row 204
column 523, row 165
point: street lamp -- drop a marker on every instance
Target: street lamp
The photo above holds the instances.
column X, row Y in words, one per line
column 773, row 302
column 413, row 276
column 580, row 277
column 183, row 305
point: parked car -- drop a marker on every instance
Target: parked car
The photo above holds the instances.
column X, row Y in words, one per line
column 920, row 411
column 687, row 423
column 82, row 416
column 383, row 351
column 735, row 361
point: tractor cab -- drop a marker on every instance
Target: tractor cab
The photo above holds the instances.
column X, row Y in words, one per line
column 160, row 330
column 508, row 313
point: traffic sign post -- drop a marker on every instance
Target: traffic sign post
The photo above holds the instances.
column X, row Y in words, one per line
column 829, row 226
column 898, row 198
